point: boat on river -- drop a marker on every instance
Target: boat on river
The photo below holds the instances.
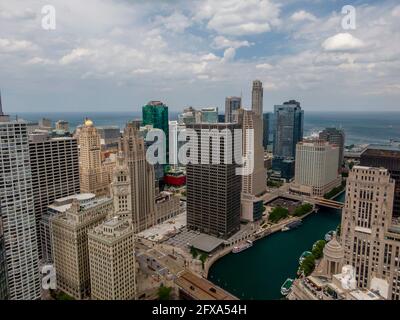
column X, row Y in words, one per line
column 287, row 285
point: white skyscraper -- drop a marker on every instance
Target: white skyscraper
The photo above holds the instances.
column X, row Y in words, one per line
column 316, row 168
column 17, row 211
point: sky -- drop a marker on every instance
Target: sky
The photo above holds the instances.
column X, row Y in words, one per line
column 116, row 55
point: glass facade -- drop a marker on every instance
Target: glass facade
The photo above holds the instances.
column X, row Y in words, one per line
column 288, row 128
column 155, row 113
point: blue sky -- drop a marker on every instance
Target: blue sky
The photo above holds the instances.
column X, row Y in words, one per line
column 109, row 55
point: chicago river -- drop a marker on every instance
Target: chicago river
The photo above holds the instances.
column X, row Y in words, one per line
column 259, row 272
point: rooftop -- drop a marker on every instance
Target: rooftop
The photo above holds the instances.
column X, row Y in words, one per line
column 206, row 243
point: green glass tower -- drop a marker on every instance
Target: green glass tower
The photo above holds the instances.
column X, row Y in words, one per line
column 155, row 113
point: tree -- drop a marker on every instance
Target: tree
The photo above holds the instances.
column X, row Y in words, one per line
column 277, row 214
column 303, row 209
column 318, row 248
column 308, row 265
column 203, row 258
column 164, row 293
column 194, row 252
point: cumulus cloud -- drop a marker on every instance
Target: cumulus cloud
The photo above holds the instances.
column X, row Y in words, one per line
column 176, row 22
column 237, row 17
column 342, row 42
column 75, row 55
column 220, row 42
column 302, row 16
column 229, row 54
column 264, row 66
column 12, row 45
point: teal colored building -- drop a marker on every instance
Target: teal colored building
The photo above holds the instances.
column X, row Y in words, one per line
column 155, row 113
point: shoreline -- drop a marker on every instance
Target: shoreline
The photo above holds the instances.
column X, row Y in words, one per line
column 257, row 236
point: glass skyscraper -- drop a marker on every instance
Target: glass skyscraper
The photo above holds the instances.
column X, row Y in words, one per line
column 288, row 128
column 267, row 129
column 155, row 113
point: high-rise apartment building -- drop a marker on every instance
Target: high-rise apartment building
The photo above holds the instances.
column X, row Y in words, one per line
column 3, row 267
column 370, row 237
column 288, row 128
column 133, row 185
column 55, row 172
column 257, row 97
column 70, row 244
column 316, row 170
column 112, row 260
column 213, row 190
column 388, row 157
column 209, row 115
column 17, row 211
column 232, row 106
column 91, row 171
column 337, row 137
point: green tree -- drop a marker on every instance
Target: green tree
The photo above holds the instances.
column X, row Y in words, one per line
column 194, row 252
column 277, row 214
column 164, row 293
column 318, row 248
column 308, row 265
column 303, row 209
column 203, row 258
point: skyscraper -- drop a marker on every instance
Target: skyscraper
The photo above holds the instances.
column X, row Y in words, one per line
column 3, row 267
column 370, row 238
column 289, row 119
column 388, row 157
column 335, row 136
column 133, row 184
column 155, row 113
column 213, row 190
column 112, row 260
column 17, row 211
column 91, row 171
column 209, row 115
column 232, row 106
column 70, row 244
column 257, row 97
column 55, row 172
column 253, row 184
column 267, row 129
column 316, row 170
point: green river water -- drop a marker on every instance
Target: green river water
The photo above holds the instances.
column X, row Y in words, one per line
column 259, row 272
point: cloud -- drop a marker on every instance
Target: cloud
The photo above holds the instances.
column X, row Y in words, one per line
column 229, row 54
column 238, row 17
column 11, row 45
column 302, row 16
column 342, row 42
column 396, row 12
column 220, row 42
column 177, row 22
column 75, row 55
column 264, row 66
